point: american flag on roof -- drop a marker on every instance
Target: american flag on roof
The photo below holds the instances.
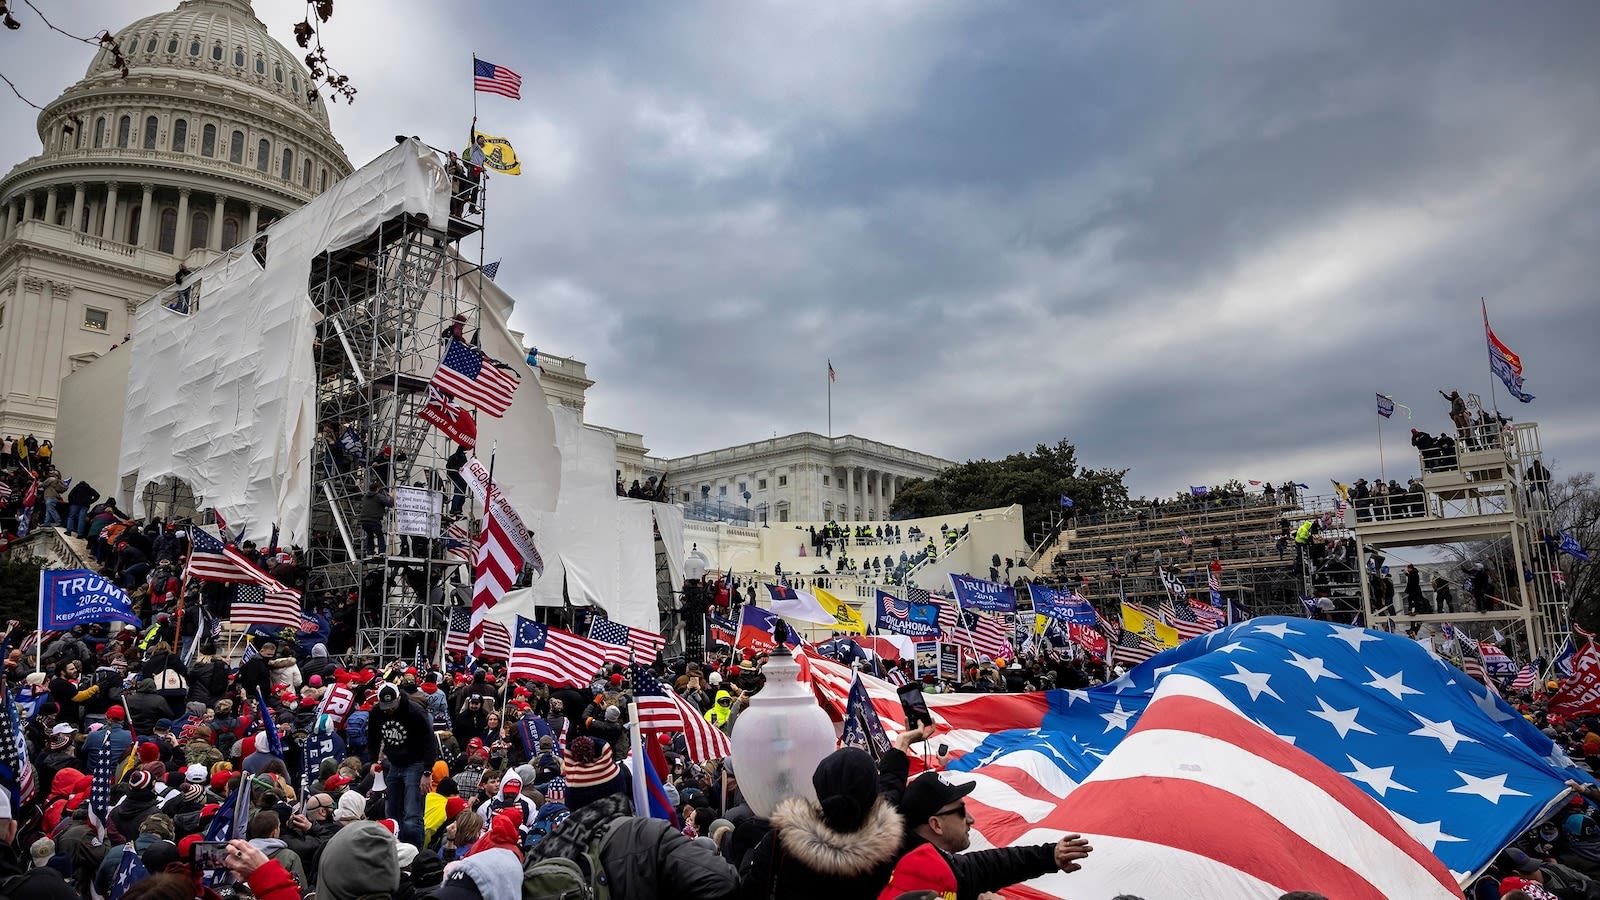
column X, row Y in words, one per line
column 632, row 644
column 662, row 709
column 458, row 636
column 492, row 79
column 467, row 374
column 554, row 657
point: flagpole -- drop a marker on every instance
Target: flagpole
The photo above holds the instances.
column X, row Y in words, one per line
column 1381, row 473
column 38, row 641
column 1494, row 399
column 183, row 594
column 641, row 784
column 830, row 398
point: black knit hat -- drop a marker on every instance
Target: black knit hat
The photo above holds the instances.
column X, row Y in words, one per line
column 846, row 782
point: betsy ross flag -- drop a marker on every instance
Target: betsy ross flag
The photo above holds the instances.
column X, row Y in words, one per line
column 1505, row 365
column 554, row 657
column 450, row 417
column 662, row 709
column 467, row 374
column 632, row 644
column 489, row 78
column 458, row 638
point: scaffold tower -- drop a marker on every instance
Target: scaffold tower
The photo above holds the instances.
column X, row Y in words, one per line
column 389, row 305
column 1484, row 503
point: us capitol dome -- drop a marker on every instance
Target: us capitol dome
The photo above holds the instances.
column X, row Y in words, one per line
column 216, row 131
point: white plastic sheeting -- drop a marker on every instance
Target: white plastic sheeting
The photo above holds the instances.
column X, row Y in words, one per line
column 224, row 398
column 669, row 521
column 601, row 547
column 527, row 465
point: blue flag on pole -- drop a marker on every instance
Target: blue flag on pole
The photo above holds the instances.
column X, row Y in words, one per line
column 274, row 740
column 69, row 597
column 130, row 872
column 1571, row 547
column 862, row 727
column 1385, row 406
column 1066, row 502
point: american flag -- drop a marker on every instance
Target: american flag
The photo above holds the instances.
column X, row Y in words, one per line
column 458, row 637
column 982, row 633
column 492, row 79
column 102, row 770
column 459, row 544
column 17, row 774
column 1182, row 617
column 661, row 709
column 629, row 642
column 209, row 560
column 490, row 270
column 1524, row 680
column 1130, row 648
column 5, row 491
column 260, row 605
column 130, row 872
column 554, row 657
column 466, row 374
column 496, row 569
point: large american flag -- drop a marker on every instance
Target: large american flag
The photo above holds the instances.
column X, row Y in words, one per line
column 497, row 566
column 632, row 644
column 102, row 771
column 554, row 657
column 259, row 598
column 261, row 605
column 466, row 374
column 458, row 637
column 661, row 709
column 1181, row 616
column 492, row 79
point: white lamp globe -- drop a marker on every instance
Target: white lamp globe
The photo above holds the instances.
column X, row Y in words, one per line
column 780, row 738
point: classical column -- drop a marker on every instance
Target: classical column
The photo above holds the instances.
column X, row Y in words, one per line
column 216, row 223
column 147, row 225
column 50, row 205
column 110, row 226
column 27, row 206
column 255, row 217
column 180, row 247
column 7, row 222
column 78, row 192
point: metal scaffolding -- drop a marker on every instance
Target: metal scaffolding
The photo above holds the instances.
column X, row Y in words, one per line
column 1488, row 502
column 388, row 304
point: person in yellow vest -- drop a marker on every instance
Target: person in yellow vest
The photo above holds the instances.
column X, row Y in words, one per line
column 720, row 710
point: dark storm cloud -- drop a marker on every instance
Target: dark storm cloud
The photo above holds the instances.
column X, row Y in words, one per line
column 1194, row 239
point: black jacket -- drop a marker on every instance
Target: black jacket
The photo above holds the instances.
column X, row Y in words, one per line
column 207, row 682
column 255, row 673
column 803, row 857
column 406, row 735
column 644, row 859
column 144, row 709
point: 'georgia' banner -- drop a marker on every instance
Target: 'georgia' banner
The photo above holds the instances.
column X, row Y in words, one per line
column 988, row 596
column 1064, row 606
column 69, row 597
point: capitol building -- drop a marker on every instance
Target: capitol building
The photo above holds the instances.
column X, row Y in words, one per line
column 216, row 131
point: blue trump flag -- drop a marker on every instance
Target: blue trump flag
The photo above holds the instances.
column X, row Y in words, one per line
column 989, row 596
column 1064, row 606
column 862, row 727
column 69, row 597
column 1571, row 547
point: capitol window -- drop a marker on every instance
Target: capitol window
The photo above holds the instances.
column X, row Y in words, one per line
column 230, row 233
column 277, row 74
column 194, row 48
column 172, row 44
column 150, row 128
column 323, row 179
column 199, row 230
column 783, row 480
column 305, row 174
column 236, row 148
column 263, row 155
column 180, row 135
column 261, row 66
column 238, row 57
column 208, row 140
column 167, row 237
column 761, row 484
column 287, row 172
column 825, row 480
column 96, row 319
column 124, row 129
column 216, row 52
column 99, row 132
column 150, row 46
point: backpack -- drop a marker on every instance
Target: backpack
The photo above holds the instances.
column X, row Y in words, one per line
column 355, row 729
column 560, row 878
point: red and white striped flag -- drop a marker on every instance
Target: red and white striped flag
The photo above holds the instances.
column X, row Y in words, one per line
column 661, row 709
column 632, row 644
column 467, row 374
column 1525, row 679
column 498, row 565
column 458, row 638
column 982, row 633
column 209, row 559
column 1182, row 617
column 554, row 657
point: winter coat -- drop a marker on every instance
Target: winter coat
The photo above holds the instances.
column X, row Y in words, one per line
column 644, row 859
column 285, row 673
column 208, row 681
column 978, row 871
column 145, row 708
column 803, row 857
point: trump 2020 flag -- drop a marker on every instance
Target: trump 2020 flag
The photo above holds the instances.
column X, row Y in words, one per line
column 70, row 597
column 1506, row 365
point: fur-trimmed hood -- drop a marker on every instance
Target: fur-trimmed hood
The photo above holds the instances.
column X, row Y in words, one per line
column 810, row 842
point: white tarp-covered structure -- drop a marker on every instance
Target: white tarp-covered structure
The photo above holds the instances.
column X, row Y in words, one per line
column 598, row 548
column 224, row 399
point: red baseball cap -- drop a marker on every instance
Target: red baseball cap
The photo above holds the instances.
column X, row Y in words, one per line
column 116, row 714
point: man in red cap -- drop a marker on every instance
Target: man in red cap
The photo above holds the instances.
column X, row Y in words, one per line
column 115, row 736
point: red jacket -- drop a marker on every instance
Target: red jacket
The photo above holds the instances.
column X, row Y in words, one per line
column 273, row 882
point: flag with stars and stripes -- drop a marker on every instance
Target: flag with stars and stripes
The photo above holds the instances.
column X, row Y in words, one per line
column 1456, row 767
column 1525, row 678
column 552, row 656
column 102, row 772
column 632, row 644
column 16, row 769
column 458, row 638
column 979, row 632
column 660, row 709
column 130, row 872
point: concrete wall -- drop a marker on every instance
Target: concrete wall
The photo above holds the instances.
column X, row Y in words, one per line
column 89, row 424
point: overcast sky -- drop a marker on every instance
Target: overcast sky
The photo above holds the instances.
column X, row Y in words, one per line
column 1194, row 239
